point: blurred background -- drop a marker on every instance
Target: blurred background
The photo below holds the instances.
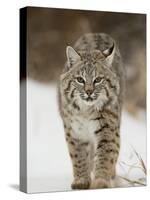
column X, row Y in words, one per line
column 49, row 31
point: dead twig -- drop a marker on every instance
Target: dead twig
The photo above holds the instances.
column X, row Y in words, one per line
column 133, row 182
column 141, row 161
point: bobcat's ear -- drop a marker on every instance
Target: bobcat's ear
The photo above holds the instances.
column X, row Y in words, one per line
column 72, row 56
column 109, row 54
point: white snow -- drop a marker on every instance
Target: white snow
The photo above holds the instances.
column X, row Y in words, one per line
column 48, row 163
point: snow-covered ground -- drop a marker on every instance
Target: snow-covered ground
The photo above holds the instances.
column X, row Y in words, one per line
column 48, row 163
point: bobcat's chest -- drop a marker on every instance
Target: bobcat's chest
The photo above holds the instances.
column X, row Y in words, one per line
column 84, row 128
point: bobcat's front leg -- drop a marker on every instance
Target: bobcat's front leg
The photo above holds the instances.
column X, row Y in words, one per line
column 80, row 161
column 106, row 154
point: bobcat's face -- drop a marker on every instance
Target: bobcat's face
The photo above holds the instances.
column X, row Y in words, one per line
column 88, row 86
column 91, row 85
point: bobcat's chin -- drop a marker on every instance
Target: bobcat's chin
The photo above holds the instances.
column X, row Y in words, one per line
column 90, row 102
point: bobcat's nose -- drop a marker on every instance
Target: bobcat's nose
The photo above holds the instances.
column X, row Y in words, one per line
column 89, row 92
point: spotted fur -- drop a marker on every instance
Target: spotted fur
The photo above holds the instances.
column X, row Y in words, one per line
column 91, row 94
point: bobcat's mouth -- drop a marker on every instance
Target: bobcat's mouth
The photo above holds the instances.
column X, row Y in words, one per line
column 89, row 99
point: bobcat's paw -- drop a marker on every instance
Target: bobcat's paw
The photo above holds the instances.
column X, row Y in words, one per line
column 81, row 183
column 100, row 183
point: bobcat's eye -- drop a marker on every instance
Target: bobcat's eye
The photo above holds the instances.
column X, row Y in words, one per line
column 98, row 79
column 80, row 80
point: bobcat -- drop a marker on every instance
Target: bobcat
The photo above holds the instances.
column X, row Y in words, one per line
column 91, row 92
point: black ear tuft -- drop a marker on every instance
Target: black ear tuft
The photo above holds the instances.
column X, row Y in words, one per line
column 109, row 54
column 109, row 51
